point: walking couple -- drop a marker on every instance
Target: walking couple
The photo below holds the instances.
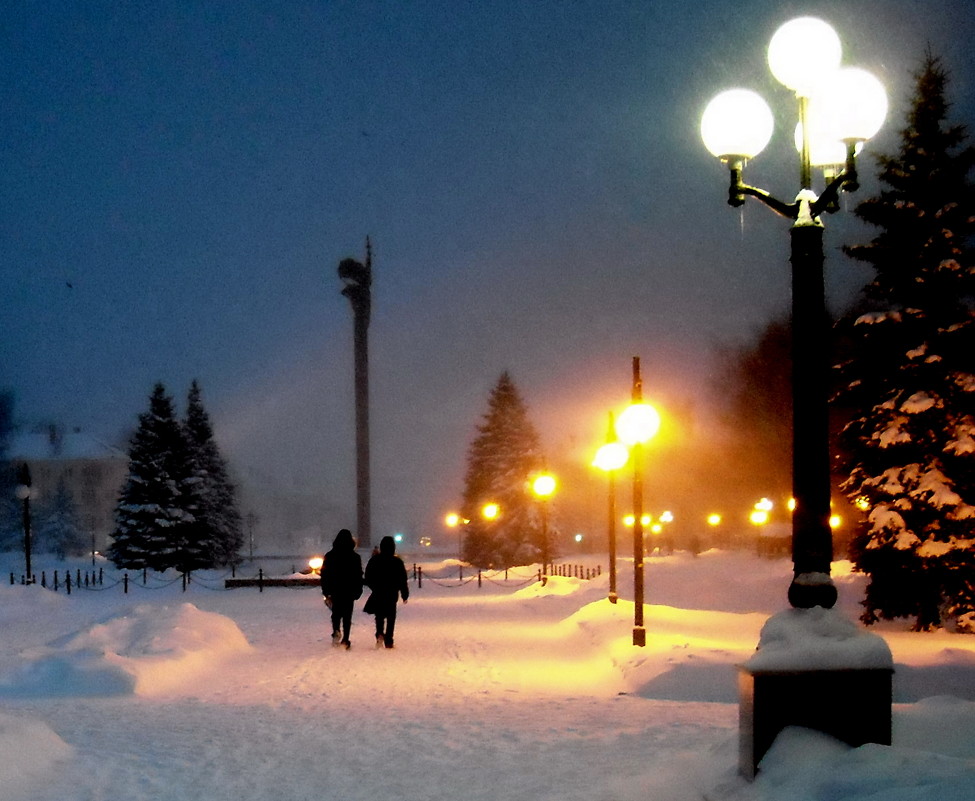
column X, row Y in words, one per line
column 342, row 582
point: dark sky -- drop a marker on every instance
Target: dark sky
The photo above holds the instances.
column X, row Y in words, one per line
column 180, row 181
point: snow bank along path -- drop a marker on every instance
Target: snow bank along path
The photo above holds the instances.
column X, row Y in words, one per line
column 491, row 693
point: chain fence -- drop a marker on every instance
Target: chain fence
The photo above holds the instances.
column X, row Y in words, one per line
column 94, row 580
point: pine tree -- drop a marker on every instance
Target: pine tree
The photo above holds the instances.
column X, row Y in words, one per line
column 909, row 381
column 500, row 463
column 154, row 515
column 218, row 514
column 58, row 527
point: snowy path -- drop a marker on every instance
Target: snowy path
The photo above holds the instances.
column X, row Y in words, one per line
column 494, row 693
column 493, row 709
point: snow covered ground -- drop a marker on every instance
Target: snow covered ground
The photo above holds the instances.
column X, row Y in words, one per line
column 505, row 691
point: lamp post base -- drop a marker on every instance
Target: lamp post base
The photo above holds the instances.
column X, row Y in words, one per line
column 613, row 597
column 639, row 636
column 816, row 669
column 812, row 589
column 854, row 706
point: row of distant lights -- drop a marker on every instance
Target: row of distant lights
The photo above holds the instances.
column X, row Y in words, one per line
column 759, row 516
column 761, row 513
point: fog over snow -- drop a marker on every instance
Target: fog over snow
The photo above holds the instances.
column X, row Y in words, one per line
column 505, row 690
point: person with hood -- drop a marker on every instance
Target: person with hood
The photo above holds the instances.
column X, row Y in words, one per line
column 386, row 577
column 342, row 585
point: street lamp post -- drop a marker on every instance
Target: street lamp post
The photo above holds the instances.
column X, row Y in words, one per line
column 357, row 278
column 611, row 457
column 544, row 486
column 839, row 109
column 452, row 520
column 636, row 426
column 23, row 493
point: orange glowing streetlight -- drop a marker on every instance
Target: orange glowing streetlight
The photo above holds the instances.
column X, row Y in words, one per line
column 490, row 511
column 452, row 520
column 543, row 485
column 315, row 563
column 610, row 458
column 636, row 426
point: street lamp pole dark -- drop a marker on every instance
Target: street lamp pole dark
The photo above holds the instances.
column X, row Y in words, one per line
column 611, row 516
column 812, row 538
column 357, row 278
column 610, row 458
column 546, row 551
column 839, row 109
column 636, row 454
column 23, row 492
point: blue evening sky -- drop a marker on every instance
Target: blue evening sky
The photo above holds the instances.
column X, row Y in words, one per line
column 181, row 179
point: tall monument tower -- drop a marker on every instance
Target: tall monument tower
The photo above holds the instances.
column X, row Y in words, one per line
column 357, row 278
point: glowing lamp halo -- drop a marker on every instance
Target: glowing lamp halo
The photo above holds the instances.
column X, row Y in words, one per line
column 736, row 124
column 611, row 456
column 544, row 485
column 637, row 424
column 802, row 51
column 858, row 103
column 825, row 150
column 758, row 517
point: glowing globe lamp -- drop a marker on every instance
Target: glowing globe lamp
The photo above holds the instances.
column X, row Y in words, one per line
column 802, row 52
column 736, row 125
column 611, row 456
column 543, row 485
column 858, row 102
column 639, row 423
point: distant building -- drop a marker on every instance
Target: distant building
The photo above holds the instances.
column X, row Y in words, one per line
column 92, row 470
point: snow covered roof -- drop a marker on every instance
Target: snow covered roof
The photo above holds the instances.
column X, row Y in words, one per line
column 58, row 444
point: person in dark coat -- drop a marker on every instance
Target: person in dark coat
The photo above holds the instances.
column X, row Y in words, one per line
column 342, row 585
column 386, row 577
